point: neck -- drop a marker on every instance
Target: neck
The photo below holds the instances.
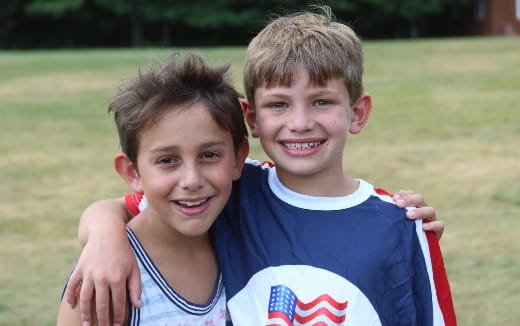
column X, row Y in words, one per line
column 187, row 263
column 331, row 184
column 152, row 230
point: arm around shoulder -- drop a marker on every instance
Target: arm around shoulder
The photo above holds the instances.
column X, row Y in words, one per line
column 107, row 265
column 104, row 215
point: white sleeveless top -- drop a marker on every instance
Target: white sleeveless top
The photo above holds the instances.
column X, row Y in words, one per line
column 161, row 305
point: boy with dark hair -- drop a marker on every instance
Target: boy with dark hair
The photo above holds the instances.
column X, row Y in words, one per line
column 187, row 180
column 303, row 242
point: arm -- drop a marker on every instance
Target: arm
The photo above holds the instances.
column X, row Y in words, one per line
column 96, row 214
column 68, row 316
column 407, row 198
column 106, row 264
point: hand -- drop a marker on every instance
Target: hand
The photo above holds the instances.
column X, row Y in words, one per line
column 104, row 268
column 405, row 198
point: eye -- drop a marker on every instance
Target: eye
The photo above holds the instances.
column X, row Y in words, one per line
column 322, row 102
column 210, row 156
column 276, row 106
column 167, row 160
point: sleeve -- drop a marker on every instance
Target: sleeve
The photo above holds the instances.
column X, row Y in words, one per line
column 133, row 202
column 441, row 299
column 440, row 280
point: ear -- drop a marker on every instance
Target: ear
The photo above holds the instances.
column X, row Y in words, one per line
column 128, row 171
column 250, row 116
column 240, row 159
column 360, row 113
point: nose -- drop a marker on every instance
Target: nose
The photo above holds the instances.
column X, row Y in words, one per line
column 191, row 177
column 300, row 119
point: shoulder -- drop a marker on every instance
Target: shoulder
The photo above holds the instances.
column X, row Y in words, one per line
column 254, row 174
column 389, row 216
column 254, row 166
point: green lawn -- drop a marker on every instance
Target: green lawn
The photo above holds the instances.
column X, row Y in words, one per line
column 446, row 123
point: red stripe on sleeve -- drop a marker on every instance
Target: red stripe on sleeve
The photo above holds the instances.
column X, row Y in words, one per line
column 267, row 163
column 382, row 192
column 132, row 201
column 440, row 278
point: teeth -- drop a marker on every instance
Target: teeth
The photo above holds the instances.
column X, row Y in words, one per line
column 191, row 203
column 300, row 146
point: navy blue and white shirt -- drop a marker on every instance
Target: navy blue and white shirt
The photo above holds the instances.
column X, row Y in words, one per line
column 293, row 259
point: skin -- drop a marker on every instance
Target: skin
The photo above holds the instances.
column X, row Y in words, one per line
column 187, row 178
column 304, row 129
column 284, row 119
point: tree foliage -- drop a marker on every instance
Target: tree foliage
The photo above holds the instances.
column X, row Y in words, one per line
column 140, row 22
column 53, row 8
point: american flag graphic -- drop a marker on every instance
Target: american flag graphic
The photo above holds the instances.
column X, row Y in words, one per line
column 286, row 309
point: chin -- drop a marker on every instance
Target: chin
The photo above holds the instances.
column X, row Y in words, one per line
column 196, row 229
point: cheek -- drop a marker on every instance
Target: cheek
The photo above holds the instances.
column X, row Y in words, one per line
column 267, row 119
column 159, row 183
column 222, row 177
column 269, row 128
column 341, row 121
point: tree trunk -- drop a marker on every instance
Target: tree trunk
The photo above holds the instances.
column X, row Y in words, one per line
column 137, row 23
column 414, row 29
column 166, row 32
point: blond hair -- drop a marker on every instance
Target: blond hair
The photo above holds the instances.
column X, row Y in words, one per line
column 326, row 48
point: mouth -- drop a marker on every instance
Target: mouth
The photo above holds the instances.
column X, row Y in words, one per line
column 190, row 204
column 194, row 207
column 302, row 146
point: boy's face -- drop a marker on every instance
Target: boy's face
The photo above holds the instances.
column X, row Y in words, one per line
column 303, row 128
column 186, row 165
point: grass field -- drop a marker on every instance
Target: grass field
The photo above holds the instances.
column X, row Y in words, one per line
column 446, row 123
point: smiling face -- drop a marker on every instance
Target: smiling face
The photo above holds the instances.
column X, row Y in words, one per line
column 304, row 127
column 185, row 166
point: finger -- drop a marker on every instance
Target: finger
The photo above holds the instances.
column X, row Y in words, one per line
column 400, row 195
column 102, row 306
column 73, row 285
column 134, row 286
column 405, row 192
column 85, row 302
column 413, row 199
column 422, row 213
column 78, row 291
column 435, row 226
column 118, row 294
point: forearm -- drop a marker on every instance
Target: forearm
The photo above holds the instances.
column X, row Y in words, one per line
column 106, row 265
column 104, row 216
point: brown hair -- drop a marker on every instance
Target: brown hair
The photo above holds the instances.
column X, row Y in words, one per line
column 327, row 49
column 140, row 102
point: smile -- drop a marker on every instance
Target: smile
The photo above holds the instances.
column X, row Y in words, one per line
column 301, row 146
column 187, row 203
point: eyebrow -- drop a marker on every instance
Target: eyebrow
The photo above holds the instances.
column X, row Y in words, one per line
column 176, row 148
column 323, row 91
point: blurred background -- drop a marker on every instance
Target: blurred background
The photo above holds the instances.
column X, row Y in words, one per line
column 122, row 23
column 444, row 76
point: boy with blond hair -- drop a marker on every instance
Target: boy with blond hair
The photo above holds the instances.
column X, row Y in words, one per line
column 302, row 242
